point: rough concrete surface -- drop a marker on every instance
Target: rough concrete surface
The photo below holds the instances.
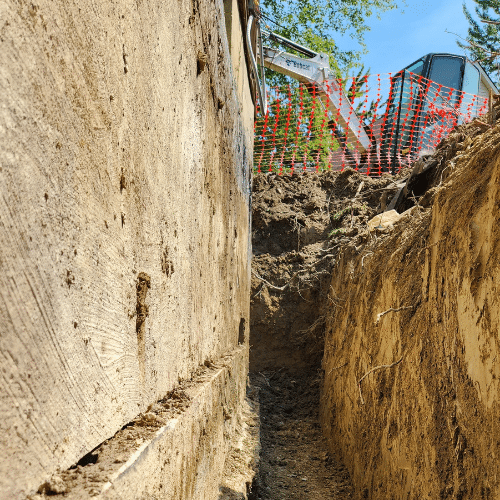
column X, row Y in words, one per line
column 124, row 181
column 175, row 450
column 242, row 462
column 411, row 367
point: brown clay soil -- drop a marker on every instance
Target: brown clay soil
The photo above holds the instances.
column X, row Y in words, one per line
column 411, row 387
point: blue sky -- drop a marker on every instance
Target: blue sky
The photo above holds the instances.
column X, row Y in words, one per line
column 401, row 36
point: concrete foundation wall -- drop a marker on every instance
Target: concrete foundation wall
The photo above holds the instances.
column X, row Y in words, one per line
column 175, row 451
column 185, row 461
column 124, row 218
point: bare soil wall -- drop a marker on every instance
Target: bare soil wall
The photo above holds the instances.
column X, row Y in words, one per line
column 124, row 218
column 411, row 372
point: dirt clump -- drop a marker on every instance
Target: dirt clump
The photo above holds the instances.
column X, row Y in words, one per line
column 300, row 222
column 431, row 171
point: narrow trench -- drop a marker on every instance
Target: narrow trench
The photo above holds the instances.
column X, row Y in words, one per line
column 295, row 463
column 300, row 223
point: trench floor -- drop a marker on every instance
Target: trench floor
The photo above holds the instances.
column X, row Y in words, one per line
column 295, row 463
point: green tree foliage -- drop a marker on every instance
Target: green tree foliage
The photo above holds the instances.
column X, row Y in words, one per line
column 298, row 130
column 484, row 38
column 317, row 23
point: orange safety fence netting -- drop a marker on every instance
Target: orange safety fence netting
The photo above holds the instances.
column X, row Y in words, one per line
column 403, row 116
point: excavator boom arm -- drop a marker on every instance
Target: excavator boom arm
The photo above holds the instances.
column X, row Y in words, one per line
column 316, row 71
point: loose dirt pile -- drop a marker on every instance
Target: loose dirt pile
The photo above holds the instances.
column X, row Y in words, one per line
column 303, row 223
column 300, row 223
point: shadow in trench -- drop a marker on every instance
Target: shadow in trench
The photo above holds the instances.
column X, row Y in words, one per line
column 295, row 463
column 229, row 494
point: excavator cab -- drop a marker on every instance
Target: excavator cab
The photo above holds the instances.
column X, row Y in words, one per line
column 426, row 99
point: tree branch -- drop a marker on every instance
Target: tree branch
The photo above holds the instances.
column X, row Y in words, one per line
column 487, row 21
column 474, row 44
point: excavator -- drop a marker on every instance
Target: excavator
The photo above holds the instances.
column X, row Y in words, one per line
column 437, row 88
